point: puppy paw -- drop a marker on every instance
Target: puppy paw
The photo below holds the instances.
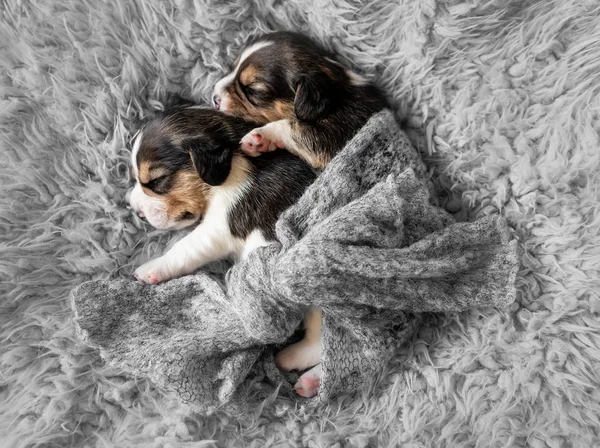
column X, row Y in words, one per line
column 308, row 384
column 298, row 356
column 152, row 272
column 259, row 140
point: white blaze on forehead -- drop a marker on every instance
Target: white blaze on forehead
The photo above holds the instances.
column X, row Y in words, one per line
column 220, row 86
column 134, row 152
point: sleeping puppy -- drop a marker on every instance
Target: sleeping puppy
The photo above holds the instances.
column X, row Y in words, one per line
column 189, row 171
column 311, row 105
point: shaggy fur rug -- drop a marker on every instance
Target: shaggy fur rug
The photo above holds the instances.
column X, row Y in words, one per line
column 502, row 99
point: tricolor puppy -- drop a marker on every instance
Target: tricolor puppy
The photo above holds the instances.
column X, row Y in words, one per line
column 189, row 171
column 310, row 104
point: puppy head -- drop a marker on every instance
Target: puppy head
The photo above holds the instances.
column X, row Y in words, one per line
column 176, row 160
column 283, row 75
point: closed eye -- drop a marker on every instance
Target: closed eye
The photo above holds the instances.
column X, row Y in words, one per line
column 159, row 185
column 248, row 91
column 255, row 93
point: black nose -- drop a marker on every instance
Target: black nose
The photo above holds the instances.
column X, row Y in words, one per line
column 216, row 101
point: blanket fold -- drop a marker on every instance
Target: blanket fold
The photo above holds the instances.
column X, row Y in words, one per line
column 365, row 243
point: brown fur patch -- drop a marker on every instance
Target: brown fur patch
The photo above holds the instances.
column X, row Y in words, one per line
column 248, row 75
column 241, row 107
column 281, row 109
column 190, row 194
column 144, row 172
column 187, row 194
column 316, row 160
column 236, row 106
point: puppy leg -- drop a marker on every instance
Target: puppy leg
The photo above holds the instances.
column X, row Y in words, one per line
column 307, row 352
column 198, row 248
column 286, row 134
column 308, row 384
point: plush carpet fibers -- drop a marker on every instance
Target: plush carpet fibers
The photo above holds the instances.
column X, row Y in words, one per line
column 502, row 98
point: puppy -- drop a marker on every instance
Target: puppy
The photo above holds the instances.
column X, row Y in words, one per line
column 189, row 171
column 311, row 105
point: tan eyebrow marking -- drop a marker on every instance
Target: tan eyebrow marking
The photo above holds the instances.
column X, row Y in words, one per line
column 148, row 172
column 248, row 75
column 259, row 86
column 157, row 171
column 143, row 173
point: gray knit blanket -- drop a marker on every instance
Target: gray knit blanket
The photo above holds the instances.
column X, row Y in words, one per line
column 365, row 243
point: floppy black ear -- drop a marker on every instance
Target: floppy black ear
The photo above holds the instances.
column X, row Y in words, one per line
column 211, row 159
column 314, row 97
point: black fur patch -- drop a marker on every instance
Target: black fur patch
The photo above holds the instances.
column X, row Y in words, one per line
column 315, row 97
column 211, row 157
column 278, row 180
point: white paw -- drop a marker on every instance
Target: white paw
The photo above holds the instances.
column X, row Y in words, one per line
column 299, row 356
column 308, row 384
column 152, row 272
column 260, row 140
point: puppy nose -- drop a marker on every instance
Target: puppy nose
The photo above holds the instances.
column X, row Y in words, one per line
column 216, row 101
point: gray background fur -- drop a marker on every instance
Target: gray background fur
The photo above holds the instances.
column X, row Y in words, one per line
column 501, row 98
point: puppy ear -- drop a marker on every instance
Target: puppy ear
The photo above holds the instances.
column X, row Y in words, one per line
column 211, row 159
column 315, row 94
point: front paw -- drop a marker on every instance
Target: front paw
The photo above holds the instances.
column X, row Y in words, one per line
column 152, row 272
column 260, row 140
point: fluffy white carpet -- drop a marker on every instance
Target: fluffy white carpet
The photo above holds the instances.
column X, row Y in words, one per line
column 502, row 98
